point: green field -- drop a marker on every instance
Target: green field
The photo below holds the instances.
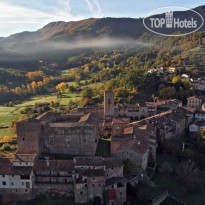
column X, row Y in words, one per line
column 8, row 114
column 4, row 132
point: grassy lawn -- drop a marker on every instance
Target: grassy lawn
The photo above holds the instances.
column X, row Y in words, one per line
column 39, row 99
column 6, row 120
column 6, row 110
column 103, row 148
column 4, row 132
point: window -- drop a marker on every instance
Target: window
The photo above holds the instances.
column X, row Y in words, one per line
column 12, row 175
column 25, row 177
column 113, row 186
column 26, row 190
column 81, row 192
column 23, row 139
column 27, row 185
column 93, row 185
column 99, row 185
column 4, row 183
column 22, row 183
column 3, row 175
column 12, row 183
column 93, row 178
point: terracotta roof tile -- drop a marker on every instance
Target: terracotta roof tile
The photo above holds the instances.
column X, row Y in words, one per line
column 54, row 165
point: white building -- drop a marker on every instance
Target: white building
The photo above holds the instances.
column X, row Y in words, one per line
column 196, row 126
column 17, row 177
column 200, row 115
column 194, row 102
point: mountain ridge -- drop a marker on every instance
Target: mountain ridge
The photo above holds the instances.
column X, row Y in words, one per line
column 87, row 28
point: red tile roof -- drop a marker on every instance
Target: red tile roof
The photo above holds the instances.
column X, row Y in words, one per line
column 138, row 145
column 54, row 165
column 5, row 166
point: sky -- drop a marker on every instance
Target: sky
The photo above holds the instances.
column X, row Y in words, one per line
column 30, row 15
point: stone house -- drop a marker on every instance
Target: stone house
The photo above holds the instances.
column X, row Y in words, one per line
column 116, row 190
column 136, row 112
column 118, row 125
column 84, row 163
column 136, row 150
column 113, row 167
column 91, row 175
column 88, row 185
column 54, row 176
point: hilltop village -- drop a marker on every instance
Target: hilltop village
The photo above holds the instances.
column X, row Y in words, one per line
column 134, row 130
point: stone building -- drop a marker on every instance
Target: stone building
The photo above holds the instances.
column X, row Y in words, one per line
column 116, row 190
column 109, row 104
column 53, row 133
column 29, row 135
column 54, row 176
column 93, row 177
column 89, row 184
column 136, row 150
column 136, row 112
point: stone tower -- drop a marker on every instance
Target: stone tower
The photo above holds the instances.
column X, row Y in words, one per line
column 109, row 104
column 28, row 136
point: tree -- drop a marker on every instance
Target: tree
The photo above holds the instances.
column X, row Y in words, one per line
column 72, row 88
column 189, row 154
column 36, row 75
column 202, row 133
column 61, row 87
column 176, row 79
column 167, row 93
column 87, row 93
column 34, row 85
column 166, row 168
column 52, row 104
column 121, row 92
